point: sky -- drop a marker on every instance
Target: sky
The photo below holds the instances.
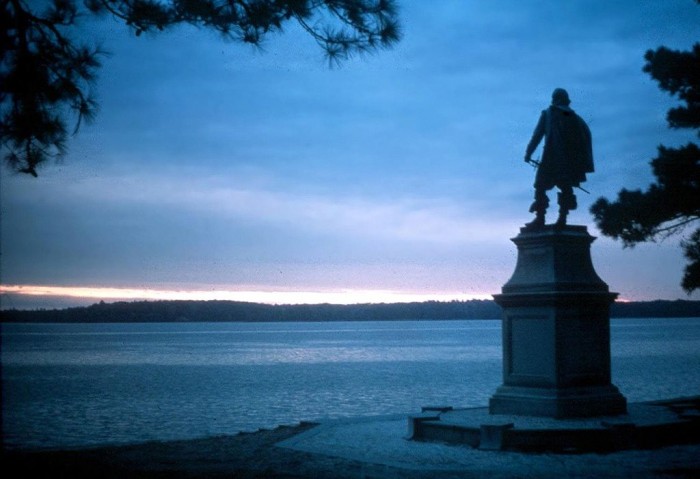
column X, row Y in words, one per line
column 215, row 170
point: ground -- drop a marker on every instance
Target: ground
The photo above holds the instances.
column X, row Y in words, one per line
column 256, row 455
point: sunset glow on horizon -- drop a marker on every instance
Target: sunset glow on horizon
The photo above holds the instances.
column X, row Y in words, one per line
column 338, row 296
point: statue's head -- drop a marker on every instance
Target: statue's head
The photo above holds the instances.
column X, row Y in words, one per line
column 560, row 97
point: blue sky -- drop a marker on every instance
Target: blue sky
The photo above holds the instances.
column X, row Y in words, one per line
column 215, row 167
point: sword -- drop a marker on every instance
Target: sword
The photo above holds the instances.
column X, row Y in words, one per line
column 536, row 163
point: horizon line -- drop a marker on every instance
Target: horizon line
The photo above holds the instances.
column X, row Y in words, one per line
column 264, row 296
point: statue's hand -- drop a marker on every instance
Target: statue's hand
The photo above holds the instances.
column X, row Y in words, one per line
column 528, row 159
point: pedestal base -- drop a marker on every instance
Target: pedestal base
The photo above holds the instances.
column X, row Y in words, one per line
column 558, row 403
column 646, row 425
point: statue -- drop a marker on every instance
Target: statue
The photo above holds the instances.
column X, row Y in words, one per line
column 566, row 158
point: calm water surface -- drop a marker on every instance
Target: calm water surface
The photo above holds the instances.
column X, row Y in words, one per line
column 67, row 385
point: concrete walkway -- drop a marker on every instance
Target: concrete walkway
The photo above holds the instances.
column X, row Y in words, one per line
column 380, row 444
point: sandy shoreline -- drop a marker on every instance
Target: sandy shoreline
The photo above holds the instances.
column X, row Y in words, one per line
column 242, row 455
column 256, row 455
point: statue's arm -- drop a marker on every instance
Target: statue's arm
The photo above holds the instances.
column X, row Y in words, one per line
column 537, row 136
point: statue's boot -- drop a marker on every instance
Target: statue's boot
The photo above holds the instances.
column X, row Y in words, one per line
column 561, row 220
column 537, row 223
column 567, row 202
column 539, row 207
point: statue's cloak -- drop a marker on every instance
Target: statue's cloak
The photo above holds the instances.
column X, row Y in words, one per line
column 568, row 150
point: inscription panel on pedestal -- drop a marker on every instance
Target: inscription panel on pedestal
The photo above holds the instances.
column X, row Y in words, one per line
column 530, row 344
column 583, row 351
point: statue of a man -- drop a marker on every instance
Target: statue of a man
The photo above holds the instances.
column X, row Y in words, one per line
column 566, row 158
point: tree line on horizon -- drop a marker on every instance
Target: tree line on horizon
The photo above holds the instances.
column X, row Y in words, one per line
column 235, row 311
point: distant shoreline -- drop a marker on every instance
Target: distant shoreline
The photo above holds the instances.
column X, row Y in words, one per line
column 234, row 311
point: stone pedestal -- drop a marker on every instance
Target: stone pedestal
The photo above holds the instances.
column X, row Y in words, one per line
column 556, row 330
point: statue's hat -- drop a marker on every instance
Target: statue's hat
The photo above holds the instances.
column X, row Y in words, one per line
column 560, row 97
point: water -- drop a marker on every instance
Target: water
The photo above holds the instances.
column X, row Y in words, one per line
column 74, row 385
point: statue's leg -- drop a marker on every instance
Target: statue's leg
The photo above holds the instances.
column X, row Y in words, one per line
column 567, row 202
column 539, row 207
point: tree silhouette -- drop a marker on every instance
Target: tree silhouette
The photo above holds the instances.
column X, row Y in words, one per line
column 46, row 77
column 671, row 204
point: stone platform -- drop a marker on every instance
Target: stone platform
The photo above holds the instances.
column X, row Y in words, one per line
column 645, row 425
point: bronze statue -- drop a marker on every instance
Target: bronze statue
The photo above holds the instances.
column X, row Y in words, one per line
column 566, row 158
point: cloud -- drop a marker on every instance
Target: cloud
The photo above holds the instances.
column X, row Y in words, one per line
column 389, row 217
